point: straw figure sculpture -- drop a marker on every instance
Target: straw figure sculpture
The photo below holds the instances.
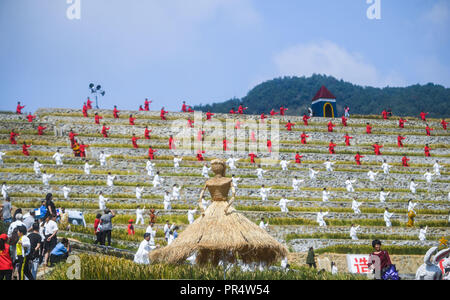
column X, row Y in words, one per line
column 221, row 233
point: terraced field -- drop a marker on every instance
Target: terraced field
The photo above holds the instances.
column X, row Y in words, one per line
column 297, row 229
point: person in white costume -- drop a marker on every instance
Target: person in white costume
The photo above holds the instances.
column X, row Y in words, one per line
column 102, row 158
column 139, row 191
column 66, row 192
column 260, row 173
column 355, row 206
column 353, row 230
column 102, row 201
column 429, row 176
column 423, row 233
column 349, row 185
column 325, row 195
column 284, row 164
column 264, row 192
column 372, row 175
column 176, row 192
column 166, row 202
column 437, row 169
column 411, row 206
column 140, row 215
column 263, row 225
column 205, row 171
column 296, row 183
column 191, row 214
column 157, row 180
column 167, row 229
column 37, row 167
column 142, row 255
column 46, row 178
column 87, row 168
column 413, row 186
column 313, row 173
column 386, row 167
column 232, row 162
column 329, row 165
column 110, row 180
column 320, row 219
column 283, row 204
column 152, row 233
column 58, row 158
column 176, row 162
column 235, row 181
column 5, row 189
column 387, row 217
column 383, row 195
column 149, row 167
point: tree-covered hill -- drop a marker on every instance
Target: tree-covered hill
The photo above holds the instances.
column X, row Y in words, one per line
column 296, row 93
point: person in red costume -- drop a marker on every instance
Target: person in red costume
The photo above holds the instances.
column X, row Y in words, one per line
column 12, row 137
column 171, row 143
column 444, row 124
column 344, row 121
column 200, row 134
column 427, row 151
column 147, row 104
column 19, row 108
column 377, row 148
column 209, row 115
column 263, row 116
column 190, row 110
column 25, row 149
column 298, row 158
column 105, row 130
column 131, row 227
column 368, row 128
column 273, row 113
column 200, row 156
column 83, row 149
column 131, row 120
column 89, row 103
column 405, row 161
column 330, row 126
column 283, row 110
column 225, row 144
column 184, row 107
column 190, row 123
column 399, row 141
column 384, row 113
column 147, row 133
column 233, row 111
column 269, row 145
column 134, row 140
column 151, row 153
column 305, row 119
column 41, row 129
column 97, row 118
column 252, row 157
column 141, row 108
column 428, row 129
column 238, row 124
column 401, row 122
column 358, row 158
column 303, row 138
column 331, row 147
column 30, row 117
column 423, row 116
column 72, row 136
column 163, row 114
column 347, row 139
column 85, row 110
column 115, row 112
column 289, row 125
column 241, row 109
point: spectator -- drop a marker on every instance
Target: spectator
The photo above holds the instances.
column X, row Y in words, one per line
column 97, row 229
column 60, row 252
column 6, row 266
column 384, row 259
column 6, row 211
column 50, row 231
column 107, row 226
column 310, row 259
column 35, row 247
column 18, row 222
column 29, row 220
column 49, row 205
column 22, row 251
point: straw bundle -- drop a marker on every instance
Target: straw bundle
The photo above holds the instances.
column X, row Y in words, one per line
column 219, row 235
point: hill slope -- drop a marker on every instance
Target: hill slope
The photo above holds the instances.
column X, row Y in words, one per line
column 296, row 94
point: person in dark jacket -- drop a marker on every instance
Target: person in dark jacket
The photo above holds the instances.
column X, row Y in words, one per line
column 310, row 259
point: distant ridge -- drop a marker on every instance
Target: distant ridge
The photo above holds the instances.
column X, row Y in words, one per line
column 296, row 94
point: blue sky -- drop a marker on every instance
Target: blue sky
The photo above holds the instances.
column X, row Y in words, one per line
column 205, row 51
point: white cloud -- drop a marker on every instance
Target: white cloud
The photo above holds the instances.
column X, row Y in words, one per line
column 329, row 58
column 439, row 14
